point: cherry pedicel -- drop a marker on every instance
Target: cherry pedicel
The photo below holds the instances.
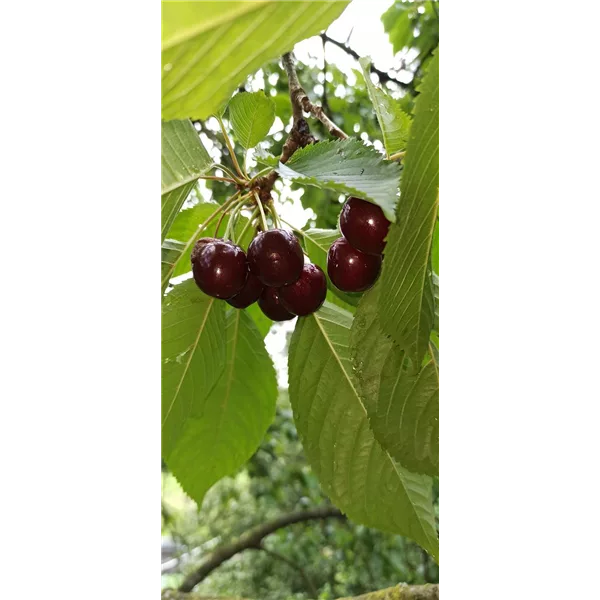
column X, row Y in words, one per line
column 364, row 225
column 219, row 267
column 351, row 270
column 275, row 257
column 249, row 294
column 306, row 295
column 271, row 306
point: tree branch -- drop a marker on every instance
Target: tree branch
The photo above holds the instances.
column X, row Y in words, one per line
column 309, row 584
column 398, row 592
column 383, row 76
column 301, row 102
column 253, row 539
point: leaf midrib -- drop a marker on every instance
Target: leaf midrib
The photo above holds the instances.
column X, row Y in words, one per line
column 187, row 365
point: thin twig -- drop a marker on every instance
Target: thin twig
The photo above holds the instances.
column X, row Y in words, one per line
column 383, row 76
column 301, row 102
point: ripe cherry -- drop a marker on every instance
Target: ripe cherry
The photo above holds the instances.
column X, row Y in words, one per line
column 306, row 295
column 219, row 267
column 270, row 304
column 351, row 270
column 364, row 225
column 275, row 257
column 249, row 294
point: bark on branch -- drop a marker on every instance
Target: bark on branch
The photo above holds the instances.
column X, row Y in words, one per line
column 253, row 539
column 301, row 102
column 398, row 592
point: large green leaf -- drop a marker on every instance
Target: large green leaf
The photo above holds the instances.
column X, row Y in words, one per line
column 193, row 356
column 209, row 47
column 227, row 425
column 402, row 402
column 357, row 474
column 407, row 307
column 394, row 122
column 316, row 244
column 251, row 115
column 183, row 159
column 347, row 166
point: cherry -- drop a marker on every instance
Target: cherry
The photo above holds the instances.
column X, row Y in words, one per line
column 306, row 295
column 249, row 294
column 270, row 304
column 275, row 257
column 349, row 269
column 364, row 225
column 219, row 267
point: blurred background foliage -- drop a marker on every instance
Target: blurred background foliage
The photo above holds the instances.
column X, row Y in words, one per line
column 330, row 557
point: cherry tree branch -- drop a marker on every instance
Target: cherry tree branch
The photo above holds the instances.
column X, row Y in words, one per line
column 253, row 539
column 301, row 102
column 383, row 76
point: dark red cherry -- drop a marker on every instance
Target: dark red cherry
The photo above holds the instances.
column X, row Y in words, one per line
column 249, row 294
column 275, row 257
column 306, row 295
column 270, row 304
column 351, row 270
column 364, row 225
column 219, row 267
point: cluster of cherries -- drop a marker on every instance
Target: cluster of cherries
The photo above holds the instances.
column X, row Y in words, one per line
column 354, row 261
column 273, row 272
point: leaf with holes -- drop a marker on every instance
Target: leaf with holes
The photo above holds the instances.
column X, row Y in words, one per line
column 394, row 122
column 361, row 478
column 208, row 48
column 402, row 402
column 227, row 424
column 407, row 307
column 193, row 356
column 349, row 167
column 183, row 159
column 251, row 115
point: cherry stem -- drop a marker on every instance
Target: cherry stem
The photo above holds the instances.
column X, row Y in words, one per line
column 252, row 217
column 215, row 178
column 274, row 214
column 230, row 148
column 262, row 212
column 293, row 228
column 229, row 172
column 227, row 204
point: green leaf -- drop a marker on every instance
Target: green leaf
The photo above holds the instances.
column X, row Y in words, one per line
column 193, row 356
column 316, row 244
column 227, row 425
column 262, row 322
column 264, row 157
column 357, row 474
column 347, row 166
column 394, row 122
column 170, row 253
column 435, row 249
column 251, row 115
column 208, row 48
column 407, row 307
column 183, row 160
column 402, row 403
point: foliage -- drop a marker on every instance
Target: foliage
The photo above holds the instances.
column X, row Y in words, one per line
column 363, row 370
